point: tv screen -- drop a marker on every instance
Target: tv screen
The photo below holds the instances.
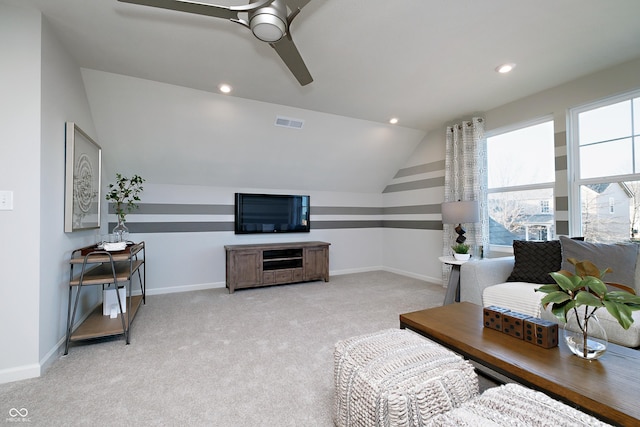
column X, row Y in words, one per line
column 271, row 213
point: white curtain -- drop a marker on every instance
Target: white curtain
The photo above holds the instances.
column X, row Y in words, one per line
column 466, row 179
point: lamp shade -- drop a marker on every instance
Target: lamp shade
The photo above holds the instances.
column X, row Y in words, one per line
column 460, row 212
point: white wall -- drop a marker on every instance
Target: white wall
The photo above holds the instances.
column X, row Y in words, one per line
column 184, row 261
column 63, row 99
column 20, row 173
column 559, row 99
column 42, row 88
column 173, row 136
column 205, row 138
column 415, row 252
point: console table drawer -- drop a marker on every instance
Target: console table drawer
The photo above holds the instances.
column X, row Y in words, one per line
column 268, row 277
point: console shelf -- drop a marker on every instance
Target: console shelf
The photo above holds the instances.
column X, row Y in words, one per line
column 250, row 266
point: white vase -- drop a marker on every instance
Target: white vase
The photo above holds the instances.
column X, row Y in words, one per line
column 462, row 257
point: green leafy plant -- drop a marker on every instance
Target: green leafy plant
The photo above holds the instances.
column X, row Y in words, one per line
column 460, row 248
column 124, row 194
column 586, row 287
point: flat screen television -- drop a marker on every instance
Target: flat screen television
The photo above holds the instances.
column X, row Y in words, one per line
column 271, row 213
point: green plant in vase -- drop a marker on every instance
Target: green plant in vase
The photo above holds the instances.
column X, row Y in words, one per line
column 587, row 288
column 461, row 251
column 460, row 248
column 124, row 194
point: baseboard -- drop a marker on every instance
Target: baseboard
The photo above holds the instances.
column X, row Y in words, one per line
column 435, row 280
column 184, row 288
column 353, row 271
column 218, row 285
column 19, row 373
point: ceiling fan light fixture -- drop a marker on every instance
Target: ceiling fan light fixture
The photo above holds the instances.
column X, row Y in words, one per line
column 267, row 27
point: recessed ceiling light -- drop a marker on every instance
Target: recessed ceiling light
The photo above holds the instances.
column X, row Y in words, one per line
column 393, row 120
column 505, row 68
column 224, row 88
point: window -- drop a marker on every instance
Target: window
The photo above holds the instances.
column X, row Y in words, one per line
column 605, row 165
column 521, row 175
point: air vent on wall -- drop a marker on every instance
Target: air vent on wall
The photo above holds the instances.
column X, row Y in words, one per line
column 289, row 123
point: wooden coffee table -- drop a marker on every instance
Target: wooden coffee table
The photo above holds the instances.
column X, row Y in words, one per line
column 608, row 388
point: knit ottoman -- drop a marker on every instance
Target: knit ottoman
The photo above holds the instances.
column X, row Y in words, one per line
column 515, row 406
column 396, row 377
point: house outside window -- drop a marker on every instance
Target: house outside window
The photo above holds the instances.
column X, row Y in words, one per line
column 604, row 161
column 545, row 207
column 520, row 178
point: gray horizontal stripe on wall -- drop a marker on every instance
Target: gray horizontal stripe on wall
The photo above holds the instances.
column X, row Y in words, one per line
column 414, row 225
column 425, row 168
column 202, row 227
column 178, row 209
column 394, row 210
column 421, row 209
column 561, row 163
column 330, row 225
column 176, row 227
column 560, row 139
column 562, row 203
column 345, row 210
column 415, row 185
column 562, row 228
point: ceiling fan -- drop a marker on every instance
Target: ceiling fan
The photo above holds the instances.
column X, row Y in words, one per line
column 267, row 19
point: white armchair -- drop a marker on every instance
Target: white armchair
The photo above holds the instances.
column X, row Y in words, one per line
column 477, row 275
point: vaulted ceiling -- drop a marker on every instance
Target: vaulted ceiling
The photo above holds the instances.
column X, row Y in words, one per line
column 426, row 62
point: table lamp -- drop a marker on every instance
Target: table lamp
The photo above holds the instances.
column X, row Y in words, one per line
column 460, row 213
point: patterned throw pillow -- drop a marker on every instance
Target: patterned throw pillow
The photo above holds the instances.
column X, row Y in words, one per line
column 535, row 260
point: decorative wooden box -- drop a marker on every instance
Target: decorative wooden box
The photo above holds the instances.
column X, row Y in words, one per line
column 492, row 317
column 543, row 333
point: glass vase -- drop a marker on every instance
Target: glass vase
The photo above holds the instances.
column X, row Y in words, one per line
column 120, row 231
column 585, row 337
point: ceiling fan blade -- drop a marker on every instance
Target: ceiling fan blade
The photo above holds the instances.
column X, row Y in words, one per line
column 226, row 12
column 292, row 59
column 295, row 6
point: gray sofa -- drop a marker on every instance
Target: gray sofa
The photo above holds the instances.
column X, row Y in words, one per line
column 491, row 282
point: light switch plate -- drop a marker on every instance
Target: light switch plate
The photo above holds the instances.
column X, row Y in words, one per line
column 6, row 200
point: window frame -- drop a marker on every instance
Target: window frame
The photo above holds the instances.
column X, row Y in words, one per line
column 573, row 157
column 538, row 186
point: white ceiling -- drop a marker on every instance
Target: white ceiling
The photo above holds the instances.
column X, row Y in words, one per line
column 424, row 61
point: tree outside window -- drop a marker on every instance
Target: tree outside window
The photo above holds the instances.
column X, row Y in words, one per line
column 521, row 174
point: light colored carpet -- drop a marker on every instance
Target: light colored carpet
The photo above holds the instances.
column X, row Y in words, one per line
column 258, row 357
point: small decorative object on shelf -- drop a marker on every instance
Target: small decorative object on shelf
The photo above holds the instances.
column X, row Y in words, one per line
column 461, row 251
column 574, row 300
column 123, row 194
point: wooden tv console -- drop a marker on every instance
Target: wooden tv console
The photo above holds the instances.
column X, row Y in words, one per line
column 250, row 266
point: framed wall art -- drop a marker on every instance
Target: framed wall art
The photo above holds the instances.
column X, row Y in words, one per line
column 83, row 171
